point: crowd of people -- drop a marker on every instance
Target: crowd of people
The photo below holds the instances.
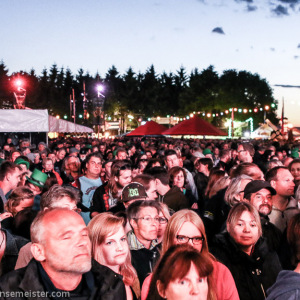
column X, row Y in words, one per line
column 149, row 218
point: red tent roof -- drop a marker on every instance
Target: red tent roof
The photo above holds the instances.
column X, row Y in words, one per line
column 150, row 128
column 195, row 126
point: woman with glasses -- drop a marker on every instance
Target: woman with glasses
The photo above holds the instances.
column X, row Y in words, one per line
column 246, row 254
column 186, row 227
column 110, row 248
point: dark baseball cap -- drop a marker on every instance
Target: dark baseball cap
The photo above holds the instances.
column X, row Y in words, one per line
column 133, row 191
column 257, row 185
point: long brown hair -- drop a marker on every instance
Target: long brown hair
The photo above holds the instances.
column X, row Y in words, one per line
column 116, row 168
column 99, row 228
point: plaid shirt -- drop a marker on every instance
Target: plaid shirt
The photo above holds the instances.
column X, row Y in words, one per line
column 135, row 244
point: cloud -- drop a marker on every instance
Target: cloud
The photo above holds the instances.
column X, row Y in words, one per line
column 218, row 30
column 290, row 1
column 280, row 11
column 298, row 46
column 251, row 8
column 287, row 85
column 248, row 1
column 272, row 49
column 296, row 56
column 277, row 7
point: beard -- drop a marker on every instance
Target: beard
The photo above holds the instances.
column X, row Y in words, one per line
column 265, row 209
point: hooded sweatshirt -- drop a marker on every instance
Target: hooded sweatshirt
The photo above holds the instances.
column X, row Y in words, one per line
column 287, row 287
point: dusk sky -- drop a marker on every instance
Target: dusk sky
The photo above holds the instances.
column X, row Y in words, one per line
column 259, row 36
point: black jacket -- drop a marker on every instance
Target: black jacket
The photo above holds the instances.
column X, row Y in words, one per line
column 254, row 274
column 144, row 260
column 13, row 245
column 111, row 284
column 105, row 284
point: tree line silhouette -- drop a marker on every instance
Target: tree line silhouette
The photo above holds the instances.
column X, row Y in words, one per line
column 143, row 95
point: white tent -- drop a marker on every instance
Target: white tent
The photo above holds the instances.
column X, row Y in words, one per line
column 35, row 120
column 59, row 125
column 24, row 120
column 262, row 132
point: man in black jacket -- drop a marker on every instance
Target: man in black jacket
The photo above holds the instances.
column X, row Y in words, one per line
column 62, row 262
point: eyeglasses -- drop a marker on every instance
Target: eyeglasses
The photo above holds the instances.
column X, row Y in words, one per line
column 149, row 220
column 143, row 160
column 163, row 220
column 196, row 240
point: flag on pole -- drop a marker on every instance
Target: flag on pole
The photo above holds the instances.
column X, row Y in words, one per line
column 282, row 117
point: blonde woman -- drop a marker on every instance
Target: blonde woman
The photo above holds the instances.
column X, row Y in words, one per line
column 110, row 248
column 186, row 227
column 246, row 254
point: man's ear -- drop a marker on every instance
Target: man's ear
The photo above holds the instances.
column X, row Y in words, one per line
column 116, row 179
column 8, row 176
column 157, row 181
column 273, row 184
column 133, row 224
column 38, row 252
column 160, row 289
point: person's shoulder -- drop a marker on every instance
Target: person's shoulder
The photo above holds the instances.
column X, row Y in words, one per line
column 12, row 280
column 109, row 283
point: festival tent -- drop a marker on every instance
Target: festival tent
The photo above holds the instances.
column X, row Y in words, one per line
column 262, row 132
column 195, row 126
column 24, row 120
column 150, row 128
column 59, row 125
column 35, row 120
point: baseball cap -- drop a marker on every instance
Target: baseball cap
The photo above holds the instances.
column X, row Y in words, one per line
column 133, row 191
column 257, row 185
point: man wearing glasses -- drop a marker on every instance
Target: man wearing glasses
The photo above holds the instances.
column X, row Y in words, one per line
column 144, row 219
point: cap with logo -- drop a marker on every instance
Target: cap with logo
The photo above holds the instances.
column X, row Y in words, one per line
column 133, row 191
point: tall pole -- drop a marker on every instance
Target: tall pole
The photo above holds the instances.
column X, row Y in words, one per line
column 84, row 103
column 232, row 122
column 282, row 117
column 74, row 107
column 71, row 107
